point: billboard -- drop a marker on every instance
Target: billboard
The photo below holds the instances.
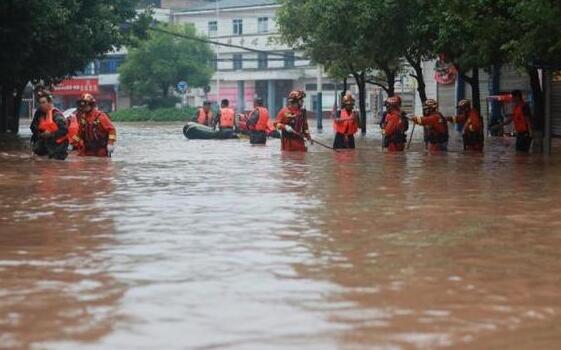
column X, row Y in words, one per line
column 76, row 86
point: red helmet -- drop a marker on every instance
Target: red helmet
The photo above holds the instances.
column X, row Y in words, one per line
column 87, row 99
column 464, row 104
column 296, row 95
column 44, row 93
column 431, row 105
column 393, row 102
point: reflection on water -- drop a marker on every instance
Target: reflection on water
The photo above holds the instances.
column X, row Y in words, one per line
column 178, row 244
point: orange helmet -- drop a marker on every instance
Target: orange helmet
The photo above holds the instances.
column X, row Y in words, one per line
column 464, row 104
column 431, row 105
column 348, row 100
column 393, row 102
column 296, row 95
column 87, row 99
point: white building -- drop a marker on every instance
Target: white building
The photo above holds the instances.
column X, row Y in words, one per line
column 240, row 74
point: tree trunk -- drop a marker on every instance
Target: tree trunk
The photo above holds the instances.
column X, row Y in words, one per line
column 473, row 82
column 345, row 88
column 495, row 88
column 390, row 77
column 4, row 102
column 538, row 118
column 13, row 124
column 420, row 78
column 361, row 83
column 538, row 97
column 475, row 91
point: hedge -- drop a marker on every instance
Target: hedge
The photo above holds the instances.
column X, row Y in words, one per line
column 143, row 114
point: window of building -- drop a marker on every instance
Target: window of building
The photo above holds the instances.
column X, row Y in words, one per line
column 154, row 3
column 237, row 59
column 214, row 62
column 262, row 60
column 238, row 26
column 263, row 25
column 212, row 28
column 311, row 87
column 289, row 59
column 110, row 65
column 90, row 69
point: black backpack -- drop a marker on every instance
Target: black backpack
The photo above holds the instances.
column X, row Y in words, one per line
column 405, row 121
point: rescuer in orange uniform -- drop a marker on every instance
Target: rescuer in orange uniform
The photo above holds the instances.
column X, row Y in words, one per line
column 345, row 124
column 258, row 123
column 226, row 120
column 293, row 123
column 204, row 115
column 395, row 125
column 473, row 127
column 522, row 118
column 437, row 126
column 50, row 132
column 96, row 134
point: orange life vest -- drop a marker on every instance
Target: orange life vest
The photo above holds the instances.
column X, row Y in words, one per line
column 263, row 121
column 346, row 123
column 73, row 128
column 203, row 118
column 48, row 124
column 518, row 117
column 227, row 116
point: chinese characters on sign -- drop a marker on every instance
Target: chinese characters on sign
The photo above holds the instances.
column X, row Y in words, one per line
column 76, row 87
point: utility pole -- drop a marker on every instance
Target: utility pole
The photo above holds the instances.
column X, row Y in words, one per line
column 547, row 77
column 319, row 107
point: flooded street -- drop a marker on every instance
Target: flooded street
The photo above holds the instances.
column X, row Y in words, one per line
column 177, row 244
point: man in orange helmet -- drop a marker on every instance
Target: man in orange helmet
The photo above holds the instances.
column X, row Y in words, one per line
column 292, row 121
column 49, row 129
column 473, row 127
column 395, row 125
column 345, row 124
column 96, row 134
column 436, row 124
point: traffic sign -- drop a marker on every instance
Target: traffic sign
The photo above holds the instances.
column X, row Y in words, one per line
column 182, row 86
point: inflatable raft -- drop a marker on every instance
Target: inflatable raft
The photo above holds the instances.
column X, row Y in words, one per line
column 196, row 131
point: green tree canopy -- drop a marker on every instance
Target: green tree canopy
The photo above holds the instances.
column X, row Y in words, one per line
column 349, row 38
column 159, row 63
column 50, row 39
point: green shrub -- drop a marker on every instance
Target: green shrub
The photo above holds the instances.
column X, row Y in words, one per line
column 163, row 102
column 144, row 114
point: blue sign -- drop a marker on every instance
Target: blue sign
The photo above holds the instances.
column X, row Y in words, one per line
column 182, row 86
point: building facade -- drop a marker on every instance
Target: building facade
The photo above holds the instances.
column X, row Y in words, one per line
column 99, row 77
column 242, row 75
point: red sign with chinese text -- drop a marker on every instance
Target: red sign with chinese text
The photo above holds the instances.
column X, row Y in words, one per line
column 76, row 87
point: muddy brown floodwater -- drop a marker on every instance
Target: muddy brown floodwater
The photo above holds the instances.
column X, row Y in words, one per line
column 177, row 244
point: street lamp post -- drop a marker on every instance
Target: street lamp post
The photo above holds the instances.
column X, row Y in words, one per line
column 217, row 55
